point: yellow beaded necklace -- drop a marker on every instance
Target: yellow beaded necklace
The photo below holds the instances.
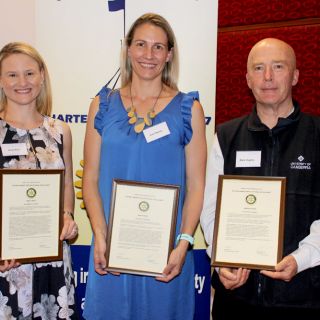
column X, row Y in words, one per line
column 140, row 122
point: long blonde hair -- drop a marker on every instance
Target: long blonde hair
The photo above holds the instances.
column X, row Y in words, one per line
column 171, row 70
column 44, row 99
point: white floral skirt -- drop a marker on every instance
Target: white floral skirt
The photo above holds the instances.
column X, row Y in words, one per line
column 39, row 291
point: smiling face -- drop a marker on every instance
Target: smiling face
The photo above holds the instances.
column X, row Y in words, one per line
column 21, row 79
column 271, row 73
column 148, row 52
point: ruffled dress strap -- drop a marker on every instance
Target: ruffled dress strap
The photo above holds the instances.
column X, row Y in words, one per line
column 186, row 108
column 104, row 96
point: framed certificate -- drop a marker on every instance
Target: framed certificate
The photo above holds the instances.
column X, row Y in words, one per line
column 249, row 222
column 141, row 229
column 30, row 214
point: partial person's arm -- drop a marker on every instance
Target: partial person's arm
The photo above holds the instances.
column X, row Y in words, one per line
column 91, row 194
column 231, row 278
column 70, row 229
column 308, row 253
column 305, row 257
column 196, row 155
column 214, row 169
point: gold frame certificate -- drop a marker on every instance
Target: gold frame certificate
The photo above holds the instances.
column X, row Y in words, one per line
column 30, row 214
column 141, row 229
column 249, row 222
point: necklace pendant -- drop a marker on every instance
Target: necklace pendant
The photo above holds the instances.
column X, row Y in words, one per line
column 139, row 125
column 152, row 114
column 132, row 120
column 147, row 120
column 132, row 115
column 131, row 112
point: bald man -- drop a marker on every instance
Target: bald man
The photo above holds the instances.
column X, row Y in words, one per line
column 280, row 141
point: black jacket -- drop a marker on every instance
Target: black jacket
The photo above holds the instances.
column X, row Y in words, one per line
column 291, row 149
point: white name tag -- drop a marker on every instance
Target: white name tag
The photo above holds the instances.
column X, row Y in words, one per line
column 14, row 149
column 248, row 159
column 156, row 132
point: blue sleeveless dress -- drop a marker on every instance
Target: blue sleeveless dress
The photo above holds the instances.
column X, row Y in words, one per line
column 126, row 155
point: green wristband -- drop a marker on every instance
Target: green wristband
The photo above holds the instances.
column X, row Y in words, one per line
column 185, row 236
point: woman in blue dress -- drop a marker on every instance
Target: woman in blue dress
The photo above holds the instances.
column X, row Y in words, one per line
column 146, row 131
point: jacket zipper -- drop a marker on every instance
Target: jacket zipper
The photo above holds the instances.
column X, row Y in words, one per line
column 268, row 173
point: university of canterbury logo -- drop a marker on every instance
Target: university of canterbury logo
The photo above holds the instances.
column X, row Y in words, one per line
column 300, row 164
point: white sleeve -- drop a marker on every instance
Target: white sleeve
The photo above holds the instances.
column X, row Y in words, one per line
column 214, row 169
column 308, row 253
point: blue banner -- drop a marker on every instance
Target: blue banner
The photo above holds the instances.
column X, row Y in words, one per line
column 202, row 284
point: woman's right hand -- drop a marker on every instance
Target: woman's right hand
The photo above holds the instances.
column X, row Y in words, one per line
column 100, row 247
column 6, row 266
column 100, row 262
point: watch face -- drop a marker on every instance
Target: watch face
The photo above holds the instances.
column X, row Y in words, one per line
column 251, row 199
column 31, row 192
column 144, row 206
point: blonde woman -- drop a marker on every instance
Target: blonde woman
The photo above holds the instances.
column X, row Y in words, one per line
column 40, row 290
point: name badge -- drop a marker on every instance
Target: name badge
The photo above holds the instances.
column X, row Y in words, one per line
column 14, row 149
column 247, row 159
column 156, row 132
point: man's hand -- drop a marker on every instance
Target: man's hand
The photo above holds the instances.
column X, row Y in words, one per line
column 285, row 270
column 233, row 278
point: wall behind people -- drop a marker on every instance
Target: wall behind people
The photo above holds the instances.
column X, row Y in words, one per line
column 81, row 41
column 243, row 23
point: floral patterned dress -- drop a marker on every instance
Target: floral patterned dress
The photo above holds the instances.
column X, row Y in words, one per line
column 40, row 290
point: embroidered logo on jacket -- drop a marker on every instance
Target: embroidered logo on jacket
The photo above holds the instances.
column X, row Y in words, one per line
column 300, row 164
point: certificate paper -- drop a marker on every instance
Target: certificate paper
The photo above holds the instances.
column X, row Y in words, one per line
column 31, row 206
column 141, row 228
column 249, row 222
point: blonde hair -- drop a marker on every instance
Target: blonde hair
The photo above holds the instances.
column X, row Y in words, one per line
column 44, row 99
column 171, row 69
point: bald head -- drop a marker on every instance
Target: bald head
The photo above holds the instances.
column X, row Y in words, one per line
column 271, row 74
column 286, row 52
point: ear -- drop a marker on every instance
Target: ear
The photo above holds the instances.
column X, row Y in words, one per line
column 295, row 77
column 248, row 80
column 169, row 55
column 42, row 75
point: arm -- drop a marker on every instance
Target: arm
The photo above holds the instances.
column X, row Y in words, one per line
column 229, row 277
column 196, row 153
column 214, row 169
column 196, row 157
column 91, row 194
column 305, row 257
column 70, row 229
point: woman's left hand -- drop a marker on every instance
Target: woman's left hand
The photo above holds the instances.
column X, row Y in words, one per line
column 175, row 263
column 70, row 228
